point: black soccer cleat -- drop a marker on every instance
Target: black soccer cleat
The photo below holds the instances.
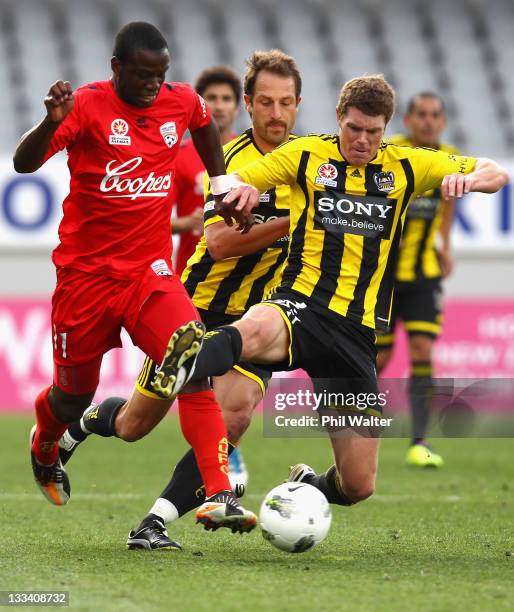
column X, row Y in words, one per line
column 177, row 367
column 151, row 535
column 225, row 510
column 51, row 479
column 301, row 472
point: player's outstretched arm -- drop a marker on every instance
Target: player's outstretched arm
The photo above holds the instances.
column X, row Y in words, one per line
column 487, row 177
column 34, row 144
column 207, row 142
column 223, row 241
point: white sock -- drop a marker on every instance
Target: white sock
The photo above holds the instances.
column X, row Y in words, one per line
column 165, row 510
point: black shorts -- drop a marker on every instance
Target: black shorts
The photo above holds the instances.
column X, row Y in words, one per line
column 337, row 353
column 419, row 306
column 211, row 320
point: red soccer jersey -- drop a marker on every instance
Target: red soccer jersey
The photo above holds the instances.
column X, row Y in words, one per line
column 188, row 195
column 122, row 163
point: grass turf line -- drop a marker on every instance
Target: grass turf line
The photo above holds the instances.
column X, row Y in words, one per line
column 429, row 540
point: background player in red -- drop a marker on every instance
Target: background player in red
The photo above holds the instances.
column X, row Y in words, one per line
column 220, row 87
column 114, row 257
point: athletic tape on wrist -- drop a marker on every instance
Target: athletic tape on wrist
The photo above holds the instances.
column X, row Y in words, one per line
column 223, row 183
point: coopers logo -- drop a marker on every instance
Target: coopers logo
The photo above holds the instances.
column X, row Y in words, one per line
column 119, row 186
column 343, row 213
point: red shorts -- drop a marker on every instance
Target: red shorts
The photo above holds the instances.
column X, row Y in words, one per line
column 88, row 312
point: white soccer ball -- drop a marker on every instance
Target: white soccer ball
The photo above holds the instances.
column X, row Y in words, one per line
column 295, row 516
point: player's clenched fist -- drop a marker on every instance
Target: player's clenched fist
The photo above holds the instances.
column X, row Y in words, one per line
column 59, row 101
column 456, row 185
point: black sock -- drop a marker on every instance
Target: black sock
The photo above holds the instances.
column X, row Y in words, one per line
column 76, row 431
column 420, row 392
column 185, row 490
column 329, row 484
column 149, row 519
column 221, row 349
column 100, row 419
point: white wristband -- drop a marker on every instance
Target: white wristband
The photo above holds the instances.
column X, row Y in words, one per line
column 223, row 183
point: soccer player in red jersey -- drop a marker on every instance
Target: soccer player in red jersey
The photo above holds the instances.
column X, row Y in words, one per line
column 220, row 87
column 114, row 258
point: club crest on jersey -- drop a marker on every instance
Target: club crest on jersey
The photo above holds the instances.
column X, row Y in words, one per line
column 327, row 175
column 384, row 181
column 169, row 133
column 119, row 130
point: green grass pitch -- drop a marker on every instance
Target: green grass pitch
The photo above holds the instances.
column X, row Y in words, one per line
column 428, row 540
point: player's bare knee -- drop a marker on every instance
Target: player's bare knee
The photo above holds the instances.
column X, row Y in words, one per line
column 420, row 346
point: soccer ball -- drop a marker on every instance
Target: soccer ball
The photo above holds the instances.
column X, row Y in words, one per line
column 295, row 516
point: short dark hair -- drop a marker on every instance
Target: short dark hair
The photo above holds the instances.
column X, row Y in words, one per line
column 372, row 95
column 411, row 104
column 219, row 75
column 274, row 61
column 137, row 35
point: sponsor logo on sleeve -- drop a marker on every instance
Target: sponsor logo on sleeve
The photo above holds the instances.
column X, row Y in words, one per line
column 119, row 130
column 203, row 105
column 343, row 213
column 169, row 134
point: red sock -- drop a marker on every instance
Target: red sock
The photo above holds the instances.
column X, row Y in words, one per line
column 204, row 428
column 48, row 432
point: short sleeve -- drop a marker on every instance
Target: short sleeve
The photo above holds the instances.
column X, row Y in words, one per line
column 200, row 115
column 430, row 167
column 66, row 134
column 280, row 167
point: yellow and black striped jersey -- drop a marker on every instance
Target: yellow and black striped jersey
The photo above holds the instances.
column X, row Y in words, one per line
column 234, row 284
column 417, row 259
column 346, row 221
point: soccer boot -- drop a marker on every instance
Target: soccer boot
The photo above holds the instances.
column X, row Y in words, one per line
column 151, row 535
column 51, row 479
column 179, row 360
column 300, row 472
column 421, row 455
column 224, row 510
column 237, row 472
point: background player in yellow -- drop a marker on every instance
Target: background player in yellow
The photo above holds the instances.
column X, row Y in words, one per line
column 227, row 274
column 420, row 269
column 350, row 194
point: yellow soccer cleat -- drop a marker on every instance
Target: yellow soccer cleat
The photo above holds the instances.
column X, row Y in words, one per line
column 420, row 455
